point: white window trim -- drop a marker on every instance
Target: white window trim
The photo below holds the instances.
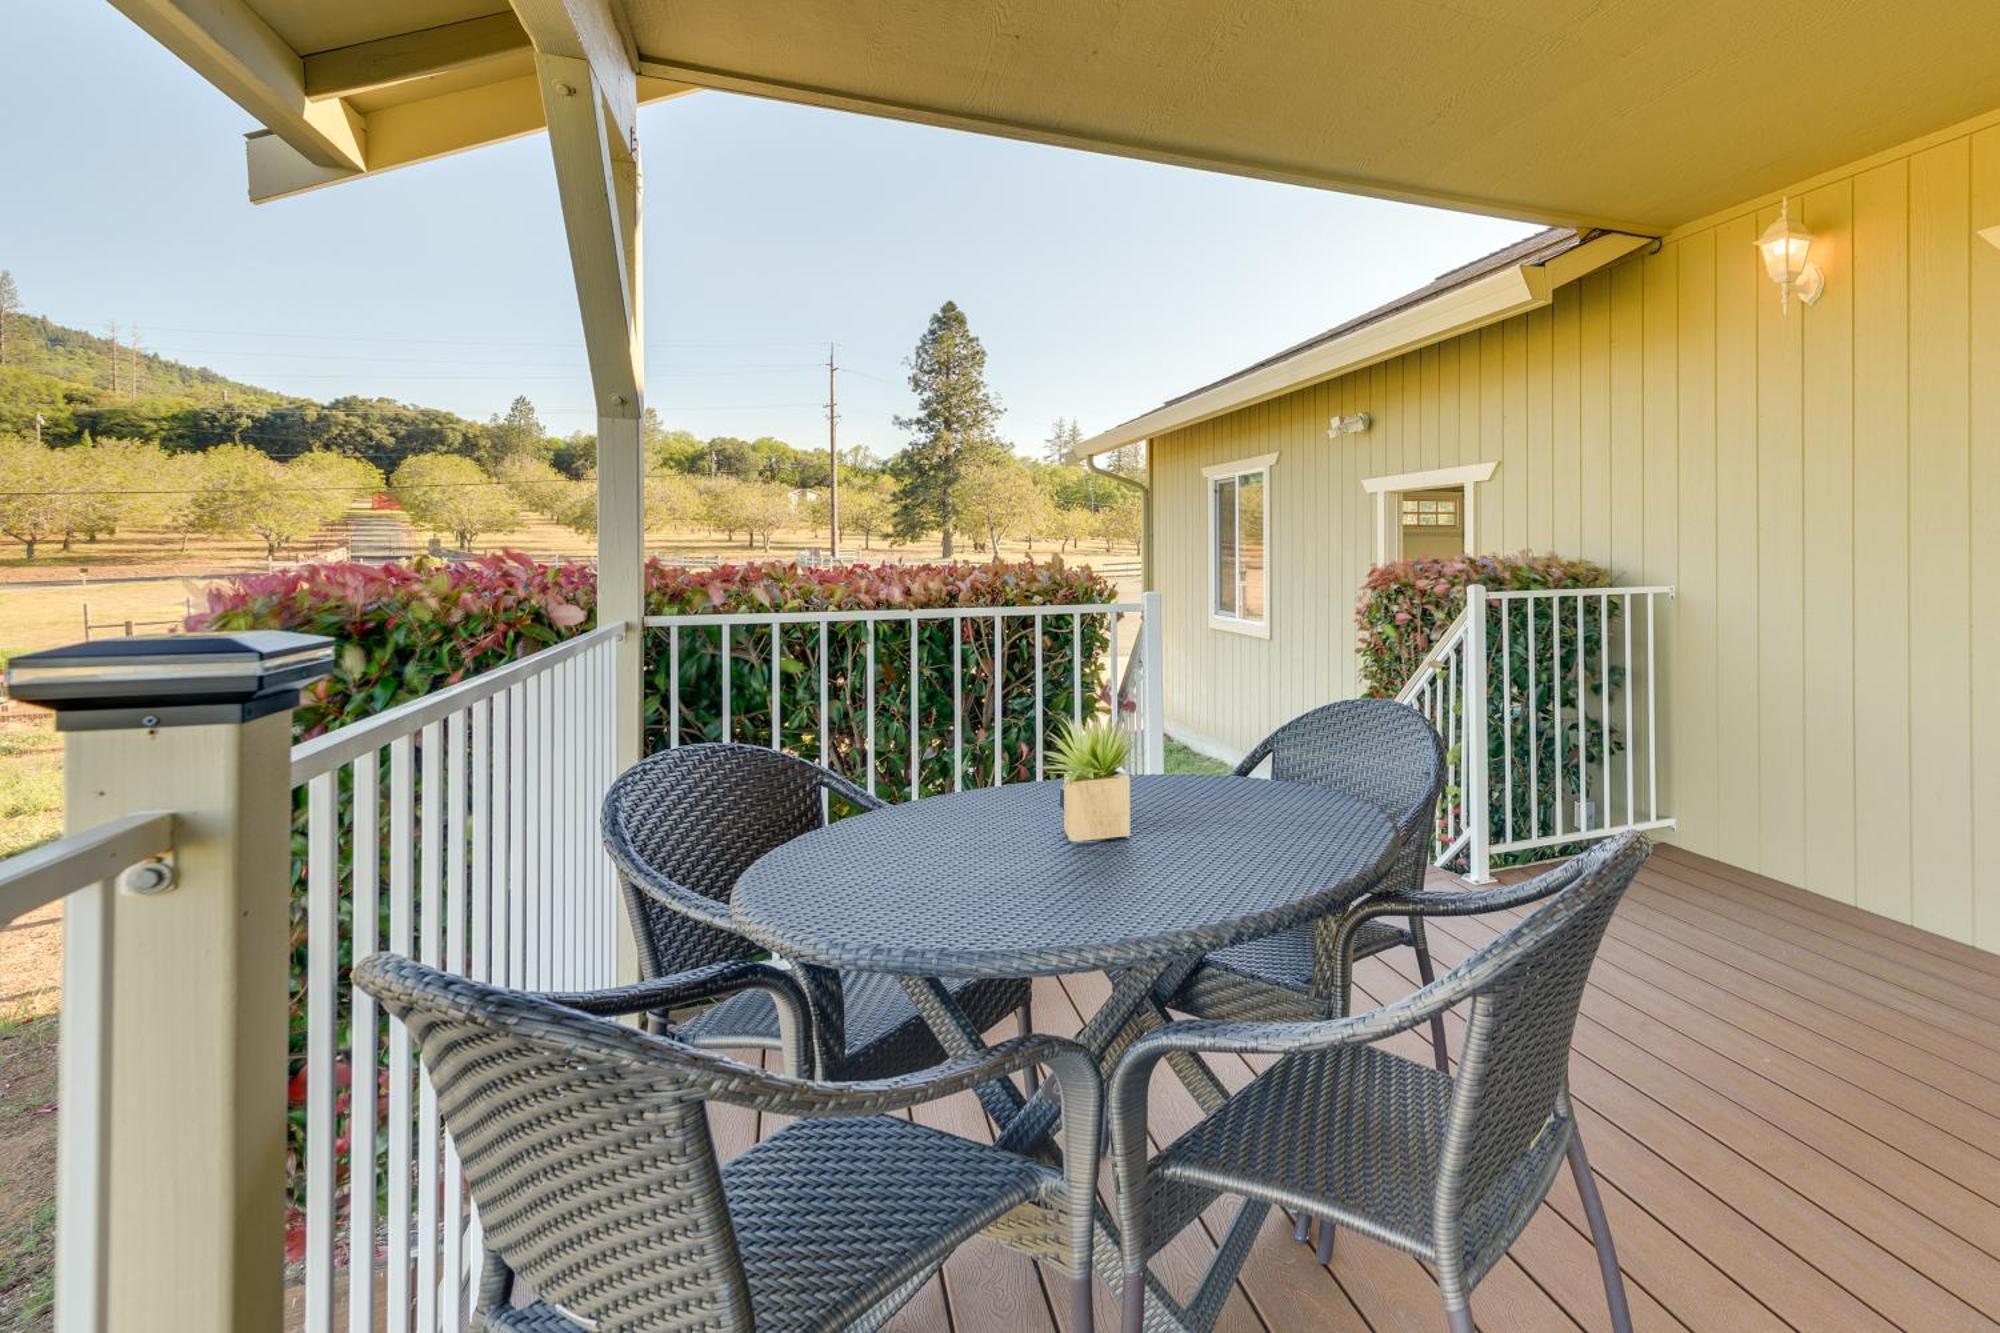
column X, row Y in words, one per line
column 1465, row 477
column 1256, row 629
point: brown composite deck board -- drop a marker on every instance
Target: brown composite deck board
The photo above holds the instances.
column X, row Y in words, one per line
column 1934, row 979
column 1793, row 1107
column 1894, row 934
column 1887, row 1254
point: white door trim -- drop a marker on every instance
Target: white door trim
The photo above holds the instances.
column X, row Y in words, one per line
column 1465, row 476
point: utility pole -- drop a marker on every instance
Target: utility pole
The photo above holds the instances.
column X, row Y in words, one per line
column 832, row 457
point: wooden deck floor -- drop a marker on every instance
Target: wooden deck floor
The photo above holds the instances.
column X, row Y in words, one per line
column 1793, row 1108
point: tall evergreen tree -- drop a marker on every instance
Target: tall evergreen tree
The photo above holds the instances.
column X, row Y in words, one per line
column 519, row 434
column 1064, row 436
column 952, row 430
column 10, row 303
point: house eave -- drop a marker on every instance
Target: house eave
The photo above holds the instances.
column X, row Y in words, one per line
column 1484, row 300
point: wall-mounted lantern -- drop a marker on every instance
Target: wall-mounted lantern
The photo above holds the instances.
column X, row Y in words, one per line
column 1348, row 425
column 1786, row 245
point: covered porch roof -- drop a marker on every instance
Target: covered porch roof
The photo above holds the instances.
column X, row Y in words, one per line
column 1622, row 114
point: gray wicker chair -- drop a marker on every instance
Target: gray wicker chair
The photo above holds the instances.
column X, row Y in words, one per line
column 681, row 826
column 1377, row 751
column 586, row 1146
column 1446, row 1168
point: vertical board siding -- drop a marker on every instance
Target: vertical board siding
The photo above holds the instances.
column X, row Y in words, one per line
column 1821, row 486
column 1940, row 543
column 1984, row 523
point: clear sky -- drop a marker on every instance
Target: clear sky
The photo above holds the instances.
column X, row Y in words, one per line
column 1100, row 286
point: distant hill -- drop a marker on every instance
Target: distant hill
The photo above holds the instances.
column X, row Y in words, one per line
column 82, row 384
column 86, row 386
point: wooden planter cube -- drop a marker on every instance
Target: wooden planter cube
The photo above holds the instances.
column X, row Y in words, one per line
column 1098, row 809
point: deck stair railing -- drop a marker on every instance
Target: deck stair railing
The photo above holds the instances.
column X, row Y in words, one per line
column 1547, row 701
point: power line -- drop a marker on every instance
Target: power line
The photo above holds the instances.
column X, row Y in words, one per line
column 474, row 342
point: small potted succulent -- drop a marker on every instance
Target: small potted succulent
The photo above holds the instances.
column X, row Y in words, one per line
column 1096, row 791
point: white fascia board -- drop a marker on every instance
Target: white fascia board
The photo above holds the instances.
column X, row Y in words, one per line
column 1487, row 300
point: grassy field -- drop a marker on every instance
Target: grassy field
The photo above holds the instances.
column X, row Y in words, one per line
column 30, row 966
column 46, row 617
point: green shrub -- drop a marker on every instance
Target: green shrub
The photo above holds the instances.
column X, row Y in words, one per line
column 1407, row 608
column 944, row 739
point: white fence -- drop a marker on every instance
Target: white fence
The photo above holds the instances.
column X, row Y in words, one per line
column 459, row 829
column 1014, row 672
column 1548, row 704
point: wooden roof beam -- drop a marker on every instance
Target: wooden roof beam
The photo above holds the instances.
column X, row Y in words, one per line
column 366, row 66
column 227, row 44
column 594, row 32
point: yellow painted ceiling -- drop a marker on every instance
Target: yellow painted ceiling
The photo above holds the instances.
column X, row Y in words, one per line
column 1645, row 113
column 1640, row 114
column 310, row 26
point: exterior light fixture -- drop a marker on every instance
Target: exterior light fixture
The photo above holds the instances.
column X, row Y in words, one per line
column 1349, row 425
column 1785, row 245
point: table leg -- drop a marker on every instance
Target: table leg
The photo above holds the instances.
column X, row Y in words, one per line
column 1029, row 1121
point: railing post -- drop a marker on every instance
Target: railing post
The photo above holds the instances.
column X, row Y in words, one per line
column 1152, row 680
column 1475, row 762
column 182, row 1151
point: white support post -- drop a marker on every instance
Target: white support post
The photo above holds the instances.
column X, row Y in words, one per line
column 587, row 87
column 173, row 1173
column 1475, row 763
column 1152, row 682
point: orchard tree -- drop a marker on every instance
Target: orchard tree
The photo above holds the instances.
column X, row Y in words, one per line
column 996, row 498
column 445, row 493
column 180, row 483
column 766, row 508
column 33, row 482
column 866, row 506
column 671, row 501
column 952, row 430
column 1121, row 519
column 540, row 488
column 243, row 490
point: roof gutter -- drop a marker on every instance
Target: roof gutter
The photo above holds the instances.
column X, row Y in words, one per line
column 1485, row 300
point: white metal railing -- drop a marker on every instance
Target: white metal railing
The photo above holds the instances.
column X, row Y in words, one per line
column 81, row 869
column 764, row 651
column 1548, row 704
column 459, row 829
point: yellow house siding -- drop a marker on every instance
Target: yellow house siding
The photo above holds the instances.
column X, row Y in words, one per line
column 1821, row 486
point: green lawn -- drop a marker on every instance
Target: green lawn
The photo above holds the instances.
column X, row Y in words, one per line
column 1180, row 759
column 30, row 787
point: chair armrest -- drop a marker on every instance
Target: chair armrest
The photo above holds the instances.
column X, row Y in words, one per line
column 847, row 791
column 783, row 1095
column 1474, row 902
column 1258, row 755
column 702, row 984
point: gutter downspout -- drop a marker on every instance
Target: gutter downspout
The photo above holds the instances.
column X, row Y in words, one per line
column 1145, row 512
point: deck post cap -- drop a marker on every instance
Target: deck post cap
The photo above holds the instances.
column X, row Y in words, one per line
column 171, row 680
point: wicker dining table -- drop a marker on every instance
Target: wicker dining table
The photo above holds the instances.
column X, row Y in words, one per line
column 983, row 883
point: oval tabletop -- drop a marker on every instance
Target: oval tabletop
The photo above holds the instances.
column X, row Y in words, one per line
column 984, row 884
